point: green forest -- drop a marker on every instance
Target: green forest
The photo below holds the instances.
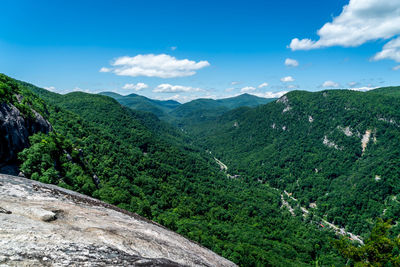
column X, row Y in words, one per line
column 132, row 159
column 310, row 144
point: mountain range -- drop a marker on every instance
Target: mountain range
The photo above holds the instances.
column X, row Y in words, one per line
column 198, row 109
column 258, row 181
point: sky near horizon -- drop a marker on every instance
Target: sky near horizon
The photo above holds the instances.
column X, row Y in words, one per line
column 190, row 49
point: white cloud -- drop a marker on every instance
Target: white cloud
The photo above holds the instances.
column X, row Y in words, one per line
column 391, row 50
column 168, row 88
column 247, row 89
column 104, row 69
column 330, row 84
column 287, row 79
column 263, row 85
column 229, row 89
column 173, row 48
column 304, row 44
column 234, row 83
column 150, row 65
column 364, row 89
column 359, row 22
column 136, row 87
column 271, row 94
column 396, row 67
column 291, row 62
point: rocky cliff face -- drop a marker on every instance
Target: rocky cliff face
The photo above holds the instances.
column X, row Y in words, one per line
column 15, row 130
column 44, row 225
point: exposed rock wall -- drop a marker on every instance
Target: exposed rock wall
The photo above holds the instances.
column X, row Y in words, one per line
column 15, row 130
column 44, row 225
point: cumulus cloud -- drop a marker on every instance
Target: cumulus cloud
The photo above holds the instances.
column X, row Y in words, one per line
column 271, row 94
column 304, row 44
column 391, row 50
column 263, row 85
column 150, row 65
column 330, row 84
column 168, row 88
column 396, row 67
column 136, row 87
column 247, row 89
column 359, row 22
column 291, row 62
column 104, row 69
column 287, row 79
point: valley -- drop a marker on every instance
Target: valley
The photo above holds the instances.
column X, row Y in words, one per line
column 147, row 166
column 318, row 154
column 200, row 133
column 274, row 183
column 305, row 212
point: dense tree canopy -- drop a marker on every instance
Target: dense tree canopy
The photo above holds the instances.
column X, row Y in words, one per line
column 310, row 144
column 379, row 249
column 300, row 144
column 147, row 166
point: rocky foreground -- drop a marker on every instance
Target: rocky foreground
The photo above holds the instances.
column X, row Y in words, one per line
column 44, row 225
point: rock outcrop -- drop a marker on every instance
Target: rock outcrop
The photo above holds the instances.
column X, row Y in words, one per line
column 15, row 130
column 44, row 225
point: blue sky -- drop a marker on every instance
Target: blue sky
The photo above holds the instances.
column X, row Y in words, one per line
column 188, row 49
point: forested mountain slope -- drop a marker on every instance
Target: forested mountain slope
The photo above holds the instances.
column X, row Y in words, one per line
column 389, row 91
column 336, row 151
column 243, row 100
column 193, row 112
column 137, row 102
column 204, row 110
column 133, row 160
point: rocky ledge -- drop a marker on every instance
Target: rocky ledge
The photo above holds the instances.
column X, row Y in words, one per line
column 15, row 130
column 45, row 225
